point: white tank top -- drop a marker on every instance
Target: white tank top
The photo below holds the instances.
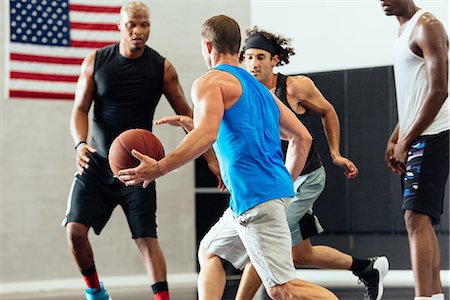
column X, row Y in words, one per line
column 412, row 85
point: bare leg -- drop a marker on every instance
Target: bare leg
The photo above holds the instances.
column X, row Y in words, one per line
column 77, row 239
column 299, row 290
column 423, row 245
column 212, row 278
column 324, row 257
column 249, row 284
column 153, row 258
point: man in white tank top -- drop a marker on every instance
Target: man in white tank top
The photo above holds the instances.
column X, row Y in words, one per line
column 418, row 148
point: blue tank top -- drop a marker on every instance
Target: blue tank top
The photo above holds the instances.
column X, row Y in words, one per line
column 248, row 146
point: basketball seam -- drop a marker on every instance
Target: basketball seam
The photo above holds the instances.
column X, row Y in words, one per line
column 129, row 152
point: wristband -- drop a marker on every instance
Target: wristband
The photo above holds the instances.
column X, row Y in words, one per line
column 80, row 143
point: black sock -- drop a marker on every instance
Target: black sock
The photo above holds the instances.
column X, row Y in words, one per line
column 359, row 265
column 160, row 287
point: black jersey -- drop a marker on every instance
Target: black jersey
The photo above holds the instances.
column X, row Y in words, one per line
column 313, row 161
column 126, row 93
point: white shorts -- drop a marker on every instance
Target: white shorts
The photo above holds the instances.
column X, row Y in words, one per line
column 260, row 234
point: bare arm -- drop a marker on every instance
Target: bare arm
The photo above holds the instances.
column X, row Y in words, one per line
column 208, row 112
column 175, row 95
column 292, row 130
column 79, row 122
column 304, row 90
column 431, row 40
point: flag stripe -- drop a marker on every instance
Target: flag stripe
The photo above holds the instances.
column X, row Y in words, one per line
column 42, row 86
column 40, row 95
column 44, row 68
column 40, row 76
column 92, row 8
column 90, row 44
column 94, row 26
column 46, row 59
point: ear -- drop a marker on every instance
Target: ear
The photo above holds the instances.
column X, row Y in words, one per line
column 209, row 47
column 275, row 60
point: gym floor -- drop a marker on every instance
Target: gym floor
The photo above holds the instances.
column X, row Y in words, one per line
column 190, row 293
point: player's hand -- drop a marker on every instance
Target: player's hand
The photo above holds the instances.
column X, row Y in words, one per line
column 82, row 157
column 146, row 172
column 400, row 155
column 390, row 160
column 351, row 171
column 178, row 120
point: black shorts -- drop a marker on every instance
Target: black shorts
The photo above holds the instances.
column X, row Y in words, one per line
column 426, row 175
column 94, row 195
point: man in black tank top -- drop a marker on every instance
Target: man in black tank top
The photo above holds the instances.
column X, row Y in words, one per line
column 262, row 52
column 125, row 82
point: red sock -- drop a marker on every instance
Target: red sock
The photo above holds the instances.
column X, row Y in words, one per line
column 90, row 277
column 164, row 295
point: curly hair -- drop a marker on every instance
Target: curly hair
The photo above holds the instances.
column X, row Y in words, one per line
column 282, row 44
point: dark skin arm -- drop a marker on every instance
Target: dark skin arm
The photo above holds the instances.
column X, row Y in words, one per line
column 429, row 40
column 79, row 117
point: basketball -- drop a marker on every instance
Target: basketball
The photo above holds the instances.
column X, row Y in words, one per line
column 144, row 141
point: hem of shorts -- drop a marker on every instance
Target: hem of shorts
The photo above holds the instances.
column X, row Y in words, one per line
column 434, row 220
column 240, row 212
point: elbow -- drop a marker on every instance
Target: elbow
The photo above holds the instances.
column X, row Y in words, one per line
column 308, row 139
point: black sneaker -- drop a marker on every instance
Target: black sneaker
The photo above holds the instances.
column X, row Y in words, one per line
column 373, row 276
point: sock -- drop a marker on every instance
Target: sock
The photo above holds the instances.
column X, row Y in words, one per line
column 438, row 296
column 161, row 291
column 90, row 277
column 359, row 265
column 422, row 298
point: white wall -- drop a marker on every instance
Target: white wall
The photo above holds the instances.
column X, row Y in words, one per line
column 336, row 34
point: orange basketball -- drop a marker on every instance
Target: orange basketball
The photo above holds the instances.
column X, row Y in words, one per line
column 144, row 141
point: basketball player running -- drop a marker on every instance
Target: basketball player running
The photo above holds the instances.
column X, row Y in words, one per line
column 262, row 52
column 244, row 121
column 418, row 148
column 126, row 81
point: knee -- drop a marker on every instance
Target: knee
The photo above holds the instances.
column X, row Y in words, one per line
column 275, row 292
column 415, row 221
column 76, row 235
column 204, row 256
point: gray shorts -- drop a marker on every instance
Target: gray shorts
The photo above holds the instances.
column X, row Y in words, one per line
column 301, row 219
column 260, row 234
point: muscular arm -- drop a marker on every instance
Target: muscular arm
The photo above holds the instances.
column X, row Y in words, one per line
column 79, row 122
column 292, row 130
column 209, row 109
column 308, row 95
column 175, row 95
column 431, row 40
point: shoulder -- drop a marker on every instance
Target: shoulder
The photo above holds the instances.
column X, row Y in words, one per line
column 428, row 22
column 299, row 84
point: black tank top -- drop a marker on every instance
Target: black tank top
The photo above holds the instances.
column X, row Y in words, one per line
column 126, row 93
column 313, row 162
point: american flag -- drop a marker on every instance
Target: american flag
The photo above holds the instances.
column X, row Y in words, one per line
column 49, row 40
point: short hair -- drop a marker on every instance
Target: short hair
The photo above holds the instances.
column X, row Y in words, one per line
column 223, row 33
column 281, row 44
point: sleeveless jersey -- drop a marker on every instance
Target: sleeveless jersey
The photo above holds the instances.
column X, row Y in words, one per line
column 126, row 93
column 412, row 85
column 248, row 146
column 313, row 162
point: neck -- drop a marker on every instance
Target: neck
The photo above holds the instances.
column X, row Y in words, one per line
column 407, row 14
column 220, row 59
column 271, row 81
column 128, row 53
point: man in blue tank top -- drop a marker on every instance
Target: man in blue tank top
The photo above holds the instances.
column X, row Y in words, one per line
column 243, row 121
column 262, row 52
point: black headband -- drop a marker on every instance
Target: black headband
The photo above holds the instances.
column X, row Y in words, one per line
column 260, row 42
